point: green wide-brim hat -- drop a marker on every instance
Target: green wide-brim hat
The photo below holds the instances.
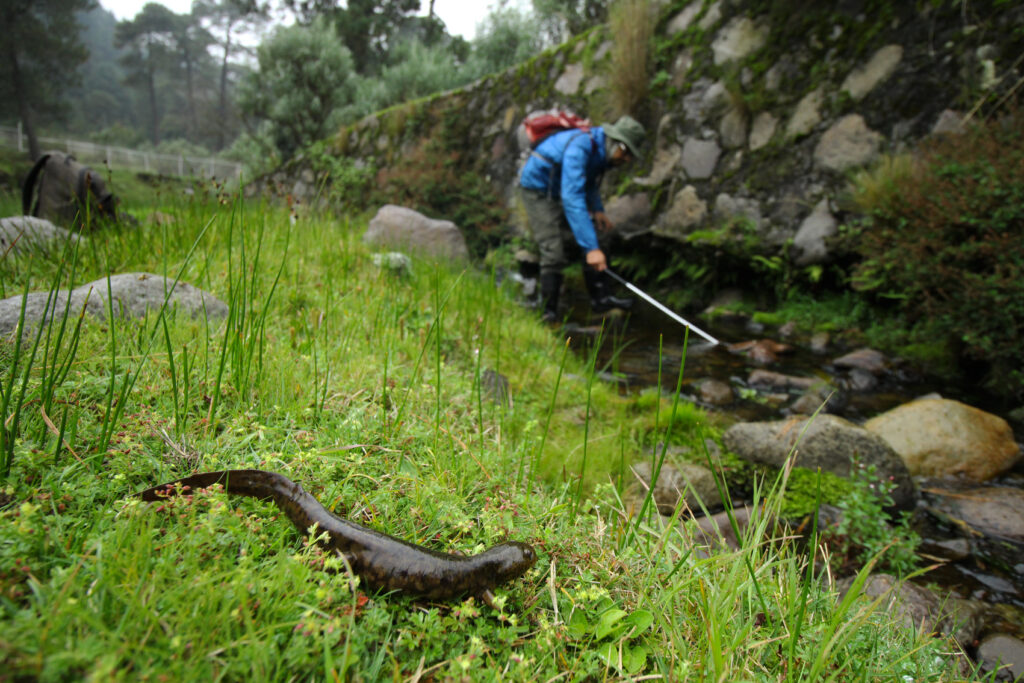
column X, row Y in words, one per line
column 628, row 131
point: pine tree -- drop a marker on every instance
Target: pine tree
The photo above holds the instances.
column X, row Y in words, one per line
column 40, row 55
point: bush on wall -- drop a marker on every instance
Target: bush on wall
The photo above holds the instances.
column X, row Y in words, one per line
column 947, row 244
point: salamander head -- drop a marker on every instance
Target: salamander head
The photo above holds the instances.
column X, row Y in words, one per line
column 509, row 560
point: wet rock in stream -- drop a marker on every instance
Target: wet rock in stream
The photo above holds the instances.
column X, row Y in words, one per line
column 1004, row 654
column 866, row 360
column 826, row 441
column 715, row 392
column 941, row 437
column 996, row 511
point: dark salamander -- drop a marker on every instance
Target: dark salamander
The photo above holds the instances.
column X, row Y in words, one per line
column 382, row 561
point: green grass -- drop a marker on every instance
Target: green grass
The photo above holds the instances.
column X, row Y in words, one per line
column 363, row 386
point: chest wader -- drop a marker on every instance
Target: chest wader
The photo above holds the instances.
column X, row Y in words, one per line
column 550, row 287
column 599, row 289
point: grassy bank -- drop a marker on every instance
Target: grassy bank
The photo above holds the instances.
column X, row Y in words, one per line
column 365, row 386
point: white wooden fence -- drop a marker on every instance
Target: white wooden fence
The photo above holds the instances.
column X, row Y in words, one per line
column 120, row 157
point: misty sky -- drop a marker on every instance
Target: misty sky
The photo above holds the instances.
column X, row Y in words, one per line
column 459, row 16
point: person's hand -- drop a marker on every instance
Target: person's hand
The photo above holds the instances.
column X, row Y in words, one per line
column 602, row 222
column 596, row 260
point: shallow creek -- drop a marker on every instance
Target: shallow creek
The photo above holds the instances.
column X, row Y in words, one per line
column 969, row 567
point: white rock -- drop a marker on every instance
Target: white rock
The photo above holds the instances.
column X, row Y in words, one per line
column 809, row 242
column 848, row 143
column 806, row 115
column 739, row 38
column 762, row 130
column 866, row 77
column 700, row 158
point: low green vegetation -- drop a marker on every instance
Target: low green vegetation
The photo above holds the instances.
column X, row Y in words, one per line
column 365, row 385
column 943, row 240
column 859, row 536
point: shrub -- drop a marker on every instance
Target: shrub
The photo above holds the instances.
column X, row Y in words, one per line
column 862, row 534
column 632, row 27
column 947, row 244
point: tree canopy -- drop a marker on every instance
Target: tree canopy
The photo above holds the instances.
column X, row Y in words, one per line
column 41, row 54
column 305, row 77
column 193, row 82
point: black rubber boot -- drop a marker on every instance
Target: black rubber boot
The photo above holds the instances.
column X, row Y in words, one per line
column 601, row 299
column 550, row 287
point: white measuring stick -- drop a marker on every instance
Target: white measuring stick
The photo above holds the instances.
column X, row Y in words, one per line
column 661, row 307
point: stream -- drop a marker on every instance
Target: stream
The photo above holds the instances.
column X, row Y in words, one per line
column 986, row 569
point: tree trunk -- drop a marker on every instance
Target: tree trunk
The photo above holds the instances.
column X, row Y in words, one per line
column 155, row 120
column 24, row 108
column 190, row 98
column 222, row 102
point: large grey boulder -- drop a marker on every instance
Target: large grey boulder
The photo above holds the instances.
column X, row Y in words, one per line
column 132, row 295
column 807, row 114
column 663, row 168
column 941, row 437
column 700, row 158
column 569, row 82
column 762, row 130
column 28, row 234
column 825, row 441
column 729, row 208
column 397, row 227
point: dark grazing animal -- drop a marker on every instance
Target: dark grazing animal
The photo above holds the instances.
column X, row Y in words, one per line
column 65, row 189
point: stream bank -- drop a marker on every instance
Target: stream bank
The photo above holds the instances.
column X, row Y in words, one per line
column 972, row 533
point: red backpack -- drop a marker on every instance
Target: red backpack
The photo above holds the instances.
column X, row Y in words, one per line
column 541, row 126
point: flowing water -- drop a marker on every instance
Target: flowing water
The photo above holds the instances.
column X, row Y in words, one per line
column 647, row 344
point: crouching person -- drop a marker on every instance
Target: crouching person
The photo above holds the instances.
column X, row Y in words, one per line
column 559, row 185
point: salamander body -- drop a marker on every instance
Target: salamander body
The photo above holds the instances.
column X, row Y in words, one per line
column 381, row 561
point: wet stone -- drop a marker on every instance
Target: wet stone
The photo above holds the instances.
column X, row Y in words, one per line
column 715, row 392
column 682, row 483
column 1003, row 653
column 820, row 342
column 865, row 359
column 993, row 511
column 862, row 380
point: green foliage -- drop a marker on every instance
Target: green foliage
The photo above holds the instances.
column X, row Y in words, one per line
column 146, row 41
column 807, row 488
column 561, row 19
column 362, row 386
column 42, row 52
column 416, row 70
column 304, row 77
column 346, row 182
column 945, row 244
column 367, row 28
column 506, row 37
column 862, row 533
column 612, row 634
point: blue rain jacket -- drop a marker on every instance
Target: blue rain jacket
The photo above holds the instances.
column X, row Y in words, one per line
column 582, row 159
